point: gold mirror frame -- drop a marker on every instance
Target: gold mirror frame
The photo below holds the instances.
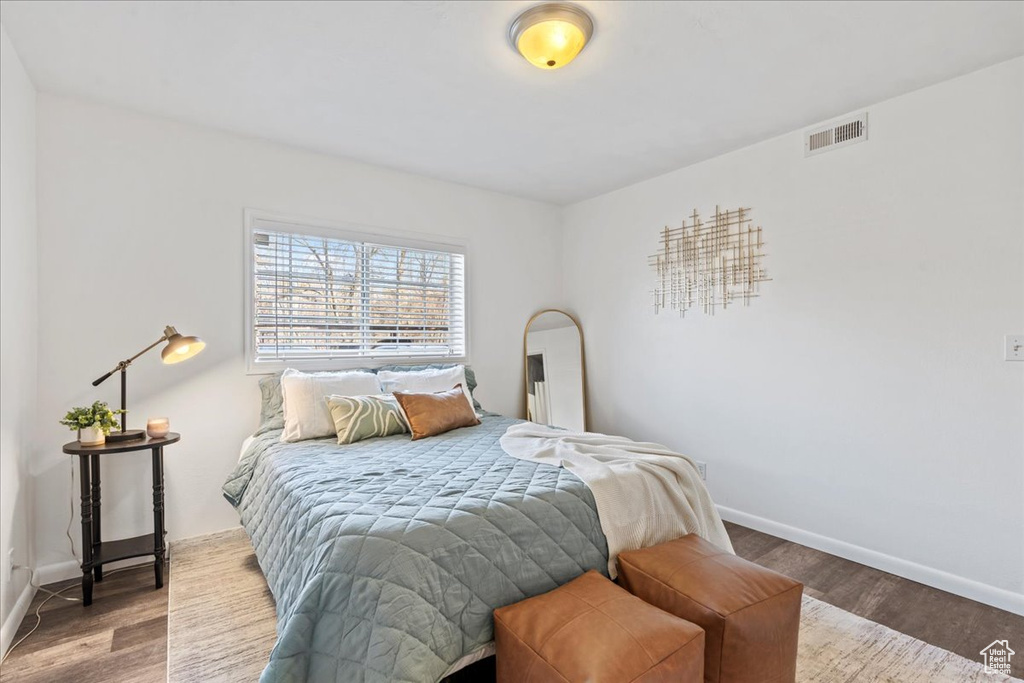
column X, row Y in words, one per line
column 583, row 362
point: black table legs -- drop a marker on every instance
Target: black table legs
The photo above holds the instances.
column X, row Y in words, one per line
column 87, row 530
column 94, row 551
column 98, row 569
column 158, row 515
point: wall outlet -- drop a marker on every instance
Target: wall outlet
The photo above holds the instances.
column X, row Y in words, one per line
column 9, row 566
column 1013, row 347
column 702, row 467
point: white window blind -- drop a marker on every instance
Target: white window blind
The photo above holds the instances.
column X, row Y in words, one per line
column 323, row 298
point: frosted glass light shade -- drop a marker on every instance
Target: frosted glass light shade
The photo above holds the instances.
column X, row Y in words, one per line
column 550, row 36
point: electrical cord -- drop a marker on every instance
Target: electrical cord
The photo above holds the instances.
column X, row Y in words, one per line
column 39, row 620
column 71, row 512
column 32, row 582
column 57, row 594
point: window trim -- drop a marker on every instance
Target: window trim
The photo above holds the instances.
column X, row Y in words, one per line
column 254, row 219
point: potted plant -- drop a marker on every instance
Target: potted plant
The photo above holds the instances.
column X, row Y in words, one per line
column 92, row 423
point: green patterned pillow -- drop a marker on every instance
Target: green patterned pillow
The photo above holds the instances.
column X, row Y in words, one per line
column 364, row 417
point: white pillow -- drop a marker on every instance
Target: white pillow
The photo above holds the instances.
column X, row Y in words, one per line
column 306, row 415
column 427, row 381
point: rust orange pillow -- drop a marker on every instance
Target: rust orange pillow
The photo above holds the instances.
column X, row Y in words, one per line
column 433, row 414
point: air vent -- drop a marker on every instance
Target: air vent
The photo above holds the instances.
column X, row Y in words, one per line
column 842, row 133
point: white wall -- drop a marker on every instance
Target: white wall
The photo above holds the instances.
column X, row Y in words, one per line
column 18, row 329
column 140, row 224
column 862, row 404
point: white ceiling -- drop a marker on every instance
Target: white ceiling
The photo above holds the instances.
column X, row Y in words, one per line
column 434, row 88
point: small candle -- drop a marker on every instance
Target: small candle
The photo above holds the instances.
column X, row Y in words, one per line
column 157, row 427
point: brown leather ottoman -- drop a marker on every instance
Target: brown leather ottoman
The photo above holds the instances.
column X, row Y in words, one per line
column 592, row 631
column 750, row 615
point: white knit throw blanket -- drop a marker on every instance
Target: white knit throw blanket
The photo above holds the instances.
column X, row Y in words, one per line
column 645, row 493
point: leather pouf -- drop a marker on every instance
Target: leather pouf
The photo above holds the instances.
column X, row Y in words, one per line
column 750, row 615
column 592, row 631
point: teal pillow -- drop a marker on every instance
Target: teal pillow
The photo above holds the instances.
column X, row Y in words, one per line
column 272, row 404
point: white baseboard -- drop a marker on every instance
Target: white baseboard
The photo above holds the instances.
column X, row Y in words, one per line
column 58, row 571
column 13, row 620
column 71, row 569
column 936, row 578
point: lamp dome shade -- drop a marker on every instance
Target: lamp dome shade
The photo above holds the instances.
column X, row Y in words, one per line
column 549, row 36
column 180, row 347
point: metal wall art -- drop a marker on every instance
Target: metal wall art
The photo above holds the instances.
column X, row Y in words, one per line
column 709, row 264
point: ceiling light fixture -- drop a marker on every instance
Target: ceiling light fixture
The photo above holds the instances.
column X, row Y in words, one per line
column 550, row 36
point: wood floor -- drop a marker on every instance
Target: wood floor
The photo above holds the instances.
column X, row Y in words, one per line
column 948, row 621
column 120, row 638
column 123, row 635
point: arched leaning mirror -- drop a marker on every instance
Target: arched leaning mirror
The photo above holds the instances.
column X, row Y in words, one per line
column 555, row 376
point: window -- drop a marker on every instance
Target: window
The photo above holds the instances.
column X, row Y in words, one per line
column 320, row 297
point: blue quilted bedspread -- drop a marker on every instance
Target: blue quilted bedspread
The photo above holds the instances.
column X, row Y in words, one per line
column 386, row 557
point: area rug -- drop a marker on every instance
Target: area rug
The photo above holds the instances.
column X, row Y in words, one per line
column 221, row 623
column 221, row 627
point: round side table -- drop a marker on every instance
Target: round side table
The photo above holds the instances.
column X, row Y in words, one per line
column 95, row 552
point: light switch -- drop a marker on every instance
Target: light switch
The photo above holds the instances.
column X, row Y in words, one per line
column 1014, row 348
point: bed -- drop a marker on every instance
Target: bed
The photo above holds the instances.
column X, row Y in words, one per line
column 386, row 557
